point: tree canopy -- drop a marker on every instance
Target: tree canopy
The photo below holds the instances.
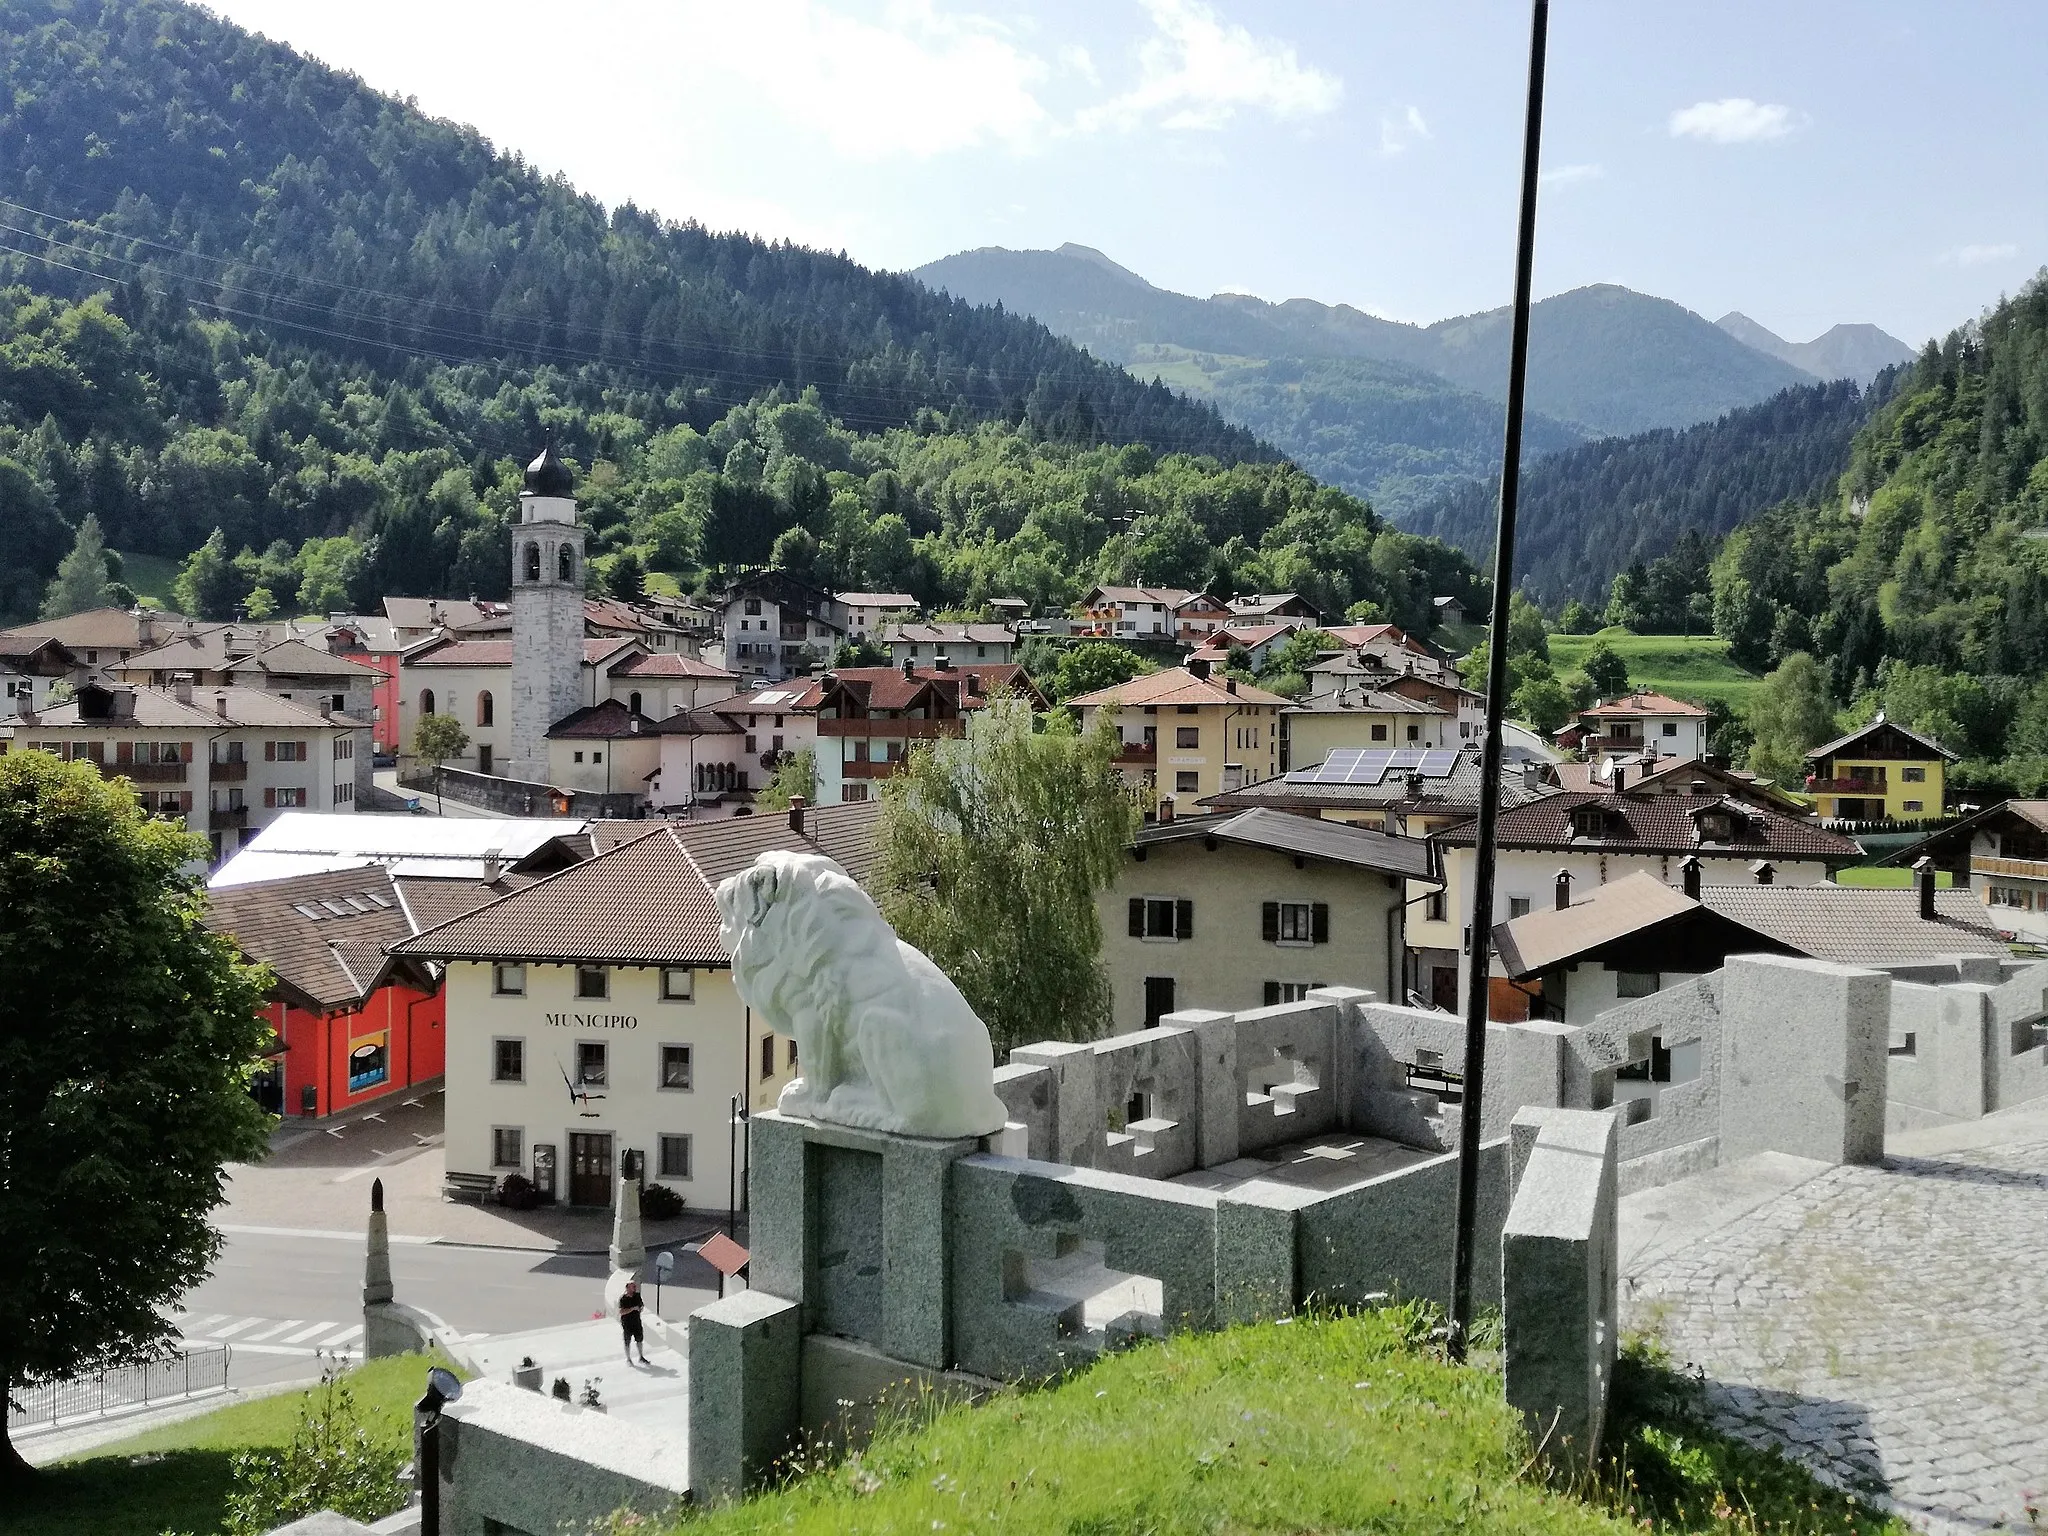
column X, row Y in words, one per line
column 128, row 1034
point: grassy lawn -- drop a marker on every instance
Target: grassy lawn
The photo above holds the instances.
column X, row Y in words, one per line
column 1869, row 877
column 150, row 576
column 1319, row 1425
column 176, row 1478
column 1695, row 668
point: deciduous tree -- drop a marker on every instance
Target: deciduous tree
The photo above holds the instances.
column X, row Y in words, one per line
column 128, row 1034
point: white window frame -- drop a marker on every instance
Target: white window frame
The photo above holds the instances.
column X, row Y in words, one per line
column 518, row 1135
column 661, row 1147
column 499, row 977
column 689, row 1083
column 498, row 1040
column 689, row 991
column 1306, row 923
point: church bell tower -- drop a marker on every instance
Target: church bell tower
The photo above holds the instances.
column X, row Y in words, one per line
column 547, row 613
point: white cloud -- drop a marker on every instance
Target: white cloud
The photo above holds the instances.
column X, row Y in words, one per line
column 1570, row 175
column 918, row 84
column 1197, row 71
column 1398, row 130
column 1733, row 120
column 1980, row 255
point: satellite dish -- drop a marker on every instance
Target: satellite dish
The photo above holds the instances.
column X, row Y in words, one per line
column 444, row 1383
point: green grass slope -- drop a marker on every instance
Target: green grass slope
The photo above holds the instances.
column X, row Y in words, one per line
column 176, row 1478
column 150, row 575
column 1695, row 668
column 1319, row 1424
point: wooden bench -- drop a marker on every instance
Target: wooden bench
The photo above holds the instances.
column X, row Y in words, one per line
column 467, row 1186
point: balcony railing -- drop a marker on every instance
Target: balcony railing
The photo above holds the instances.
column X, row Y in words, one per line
column 220, row 820
column 1846, row 787
column 233, row 771
column 2018, row 869
column 880, row 769
column 1138, row 752
column 147, row 773
column 890, row 730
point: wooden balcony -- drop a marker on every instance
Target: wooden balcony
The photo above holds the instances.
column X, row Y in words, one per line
column 870, row 770
column 2017, row 869
column 1137, row 755
column 146, row 773
column 1847, row 787
column 232, row 816
column 873, row 729
column 233, row 771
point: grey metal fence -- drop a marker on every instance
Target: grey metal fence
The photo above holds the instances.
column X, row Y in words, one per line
column 47, row 1403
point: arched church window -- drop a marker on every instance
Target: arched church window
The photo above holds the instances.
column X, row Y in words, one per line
column 486, row 708
column 633, row 702
column 426, row 701
column 533, row 562
column 565, row 564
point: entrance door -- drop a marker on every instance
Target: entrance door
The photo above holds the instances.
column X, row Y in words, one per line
column 590, row 1168
column 483, row 757
column 1443, row 987
column 1158, row 998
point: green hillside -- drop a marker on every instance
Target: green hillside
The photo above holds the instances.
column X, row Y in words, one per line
column 1695, row 668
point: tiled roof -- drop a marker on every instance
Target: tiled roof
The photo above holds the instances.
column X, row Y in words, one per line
column 1455, row 792
column 877, row 600
column 294, row 658
column 1246, row 635
column 498, row 653
column 1674, row 775
column 949, row 634
column 100, row 628
column 670, row 664
column 131, row 708
column 430, row 901
column 1550, row 936
column 695, row 722
column 1630, row 705
column 426, row 612
column 799, row 695
column 1658, row 823
column 611, row 613
column 322, row 935
column 647, row 900
column 1360, row 701
column 1851, row 925
column 893, row 688
column 18, row 651
column 1177, row 685
column 1299, row 837
column 606, row 721
column 1959, row 835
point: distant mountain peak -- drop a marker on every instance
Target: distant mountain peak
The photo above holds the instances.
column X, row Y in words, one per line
column 1858, row 352
column 1088, row 253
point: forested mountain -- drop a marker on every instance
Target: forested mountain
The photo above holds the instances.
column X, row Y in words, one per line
column 148, row 142
column 1592, row 511
column 1922, row 579
column 1859, row 352
column 269, row 323
column 1602, row 359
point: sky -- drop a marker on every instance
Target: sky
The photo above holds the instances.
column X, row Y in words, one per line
column 1808, row 163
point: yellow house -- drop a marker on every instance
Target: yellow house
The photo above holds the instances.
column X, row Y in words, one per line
column 1882, row 772
column 1357, row 717
column 1189, row 734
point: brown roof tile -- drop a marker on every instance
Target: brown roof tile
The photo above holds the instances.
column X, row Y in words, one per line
column 1659, row 823
column 1177, row 685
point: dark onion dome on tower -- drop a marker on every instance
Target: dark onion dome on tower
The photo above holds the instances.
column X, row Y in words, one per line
column 549, row 476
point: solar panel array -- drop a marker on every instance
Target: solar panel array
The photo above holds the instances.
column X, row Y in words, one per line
column 1371, row 765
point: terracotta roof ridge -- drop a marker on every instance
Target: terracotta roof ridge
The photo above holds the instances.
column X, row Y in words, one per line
column 544, row 880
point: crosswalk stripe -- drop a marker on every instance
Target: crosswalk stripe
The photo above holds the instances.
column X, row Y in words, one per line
column 274, row 1330
column 341, row 1338
column 306, row 1333
column 189, row 1324
column 234, row 1328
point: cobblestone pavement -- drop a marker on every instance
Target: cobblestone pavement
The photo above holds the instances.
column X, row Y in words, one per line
column 1886, row 1326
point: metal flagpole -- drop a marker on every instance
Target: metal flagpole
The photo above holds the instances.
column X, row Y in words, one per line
column 1480, row 946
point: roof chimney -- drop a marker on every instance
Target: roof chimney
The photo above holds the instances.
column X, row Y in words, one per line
column 1532, row 775
column 943, row 664
column 1229, row 684
column 1564, row 889
column 181, row 685
column 909, row 667
column 1415, row 782
column 1923, row 876
column 494, row 865
column 1698, row 786
column 796, row 814
column 1763, row 871
column 1620, row 776
column 220, row 705
column 1166, row 808
column 1198, row 668
column 1689, row 877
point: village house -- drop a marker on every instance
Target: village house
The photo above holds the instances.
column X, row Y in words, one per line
column 869, row 718
column 224, row 761
column 30, row 666
column 592, row 1019
column 869, row 613
column 1187, row 733
column 100, row 637
column 1264, row 607
column 1574, row 959
column 1882, row 772
column 1314, row 727
column 1598, row 837
column 1637, row 723
column 2001, row 855
column 438, row 848
column 777, row 626
column 1130, row 613
column 1676, row 776
column 962, row 644
column 1251, row 908
column 701, row 767
column 1197, row 616
column 1257, row 641
column 607, row 749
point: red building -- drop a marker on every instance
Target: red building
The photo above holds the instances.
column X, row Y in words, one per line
column 352, row 1022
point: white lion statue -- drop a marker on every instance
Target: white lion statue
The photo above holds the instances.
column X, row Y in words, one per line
column 885, row 1041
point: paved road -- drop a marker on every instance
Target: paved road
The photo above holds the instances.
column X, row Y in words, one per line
column 1887, row 1326
column 279, row 1299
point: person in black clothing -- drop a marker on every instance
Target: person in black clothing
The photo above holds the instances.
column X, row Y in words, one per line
column 630, row 1306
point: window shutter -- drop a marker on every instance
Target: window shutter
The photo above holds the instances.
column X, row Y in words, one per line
column 1269, row 921
column 1137, row 917
column 305, row 752
column 124, row 752
column 1319, row 922
column 185, row 802
column 185, row 752
column 270, row 796
column 1272, row 993
column 1183, row 919
column 270, row 751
